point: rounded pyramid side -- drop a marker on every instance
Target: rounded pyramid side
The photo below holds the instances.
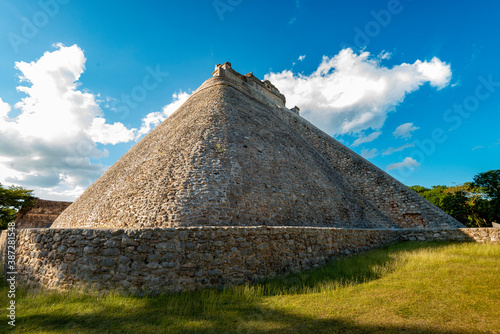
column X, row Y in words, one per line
column 403, row 206
column 273, row 175
column 140, row 189
column 222, row 159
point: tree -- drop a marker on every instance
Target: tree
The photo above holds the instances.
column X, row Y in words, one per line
column 474, row 204
column 489, row 184
column 456, row 205
column 435, row 195
column 13, row 199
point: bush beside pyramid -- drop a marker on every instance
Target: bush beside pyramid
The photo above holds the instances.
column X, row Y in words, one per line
column 234, row 155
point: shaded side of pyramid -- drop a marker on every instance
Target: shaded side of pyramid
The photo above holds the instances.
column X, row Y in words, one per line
column 396, row 201
column 233, row 155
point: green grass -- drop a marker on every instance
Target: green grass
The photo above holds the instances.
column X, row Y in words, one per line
column 405, row 288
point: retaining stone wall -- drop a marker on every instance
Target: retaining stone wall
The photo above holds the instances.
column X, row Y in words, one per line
column 176, row 259
column 42, row 214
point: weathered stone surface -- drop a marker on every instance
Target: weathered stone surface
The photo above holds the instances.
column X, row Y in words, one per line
column 234, row 155
column 270, row 251
column 42, row 214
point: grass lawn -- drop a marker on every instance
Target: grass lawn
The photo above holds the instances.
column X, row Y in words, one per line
column 405, row 288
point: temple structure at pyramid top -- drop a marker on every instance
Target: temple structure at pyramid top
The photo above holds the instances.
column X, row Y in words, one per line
column 264, row 91
column 234, row 155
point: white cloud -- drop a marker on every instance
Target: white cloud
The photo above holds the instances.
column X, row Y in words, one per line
column 4, row 109
column 406, row 163
column 384, row 55
column 392, row 150
column 153, row 119
column 366, row 139
column 114, row 133
column 302, row 57
column 405, row 130
column 350, row 92
column 368, row 154
column 149, row 122
column 178, row 100
column 436, row 72
column 48, row 147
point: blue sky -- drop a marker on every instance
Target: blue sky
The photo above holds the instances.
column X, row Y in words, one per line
column 413, row 86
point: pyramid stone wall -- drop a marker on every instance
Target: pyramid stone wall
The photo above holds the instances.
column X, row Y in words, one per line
column 234, row 155
column 401, row 204
column 42, row 214
column 235, row 173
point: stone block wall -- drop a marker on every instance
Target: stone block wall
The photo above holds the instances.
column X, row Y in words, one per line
column 177, row 259
column 42, row 214
column 481, row 235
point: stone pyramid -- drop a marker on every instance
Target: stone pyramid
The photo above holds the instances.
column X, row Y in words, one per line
column 234, row 155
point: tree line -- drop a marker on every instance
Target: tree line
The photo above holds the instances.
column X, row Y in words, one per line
column 474, row 204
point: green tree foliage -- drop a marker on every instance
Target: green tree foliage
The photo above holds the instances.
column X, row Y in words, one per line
column 456, row 205
column 489, row 184
column 474, row 204
column 434, row 195
column 13, row 199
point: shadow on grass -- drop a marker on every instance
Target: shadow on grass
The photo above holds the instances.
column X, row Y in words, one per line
column 233, row 310
column 345, row 271
column 252, row 319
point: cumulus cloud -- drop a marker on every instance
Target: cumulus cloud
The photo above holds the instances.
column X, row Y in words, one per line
column 114, row 133
column 437, row 73
column 368, row 154
column 50, row 145
column 351, row 92
column 302, row 57
column 4, row 109
column 405, row 130
column 366, row 139
column 406, row 163
column 392, row 150
column 153, row 119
